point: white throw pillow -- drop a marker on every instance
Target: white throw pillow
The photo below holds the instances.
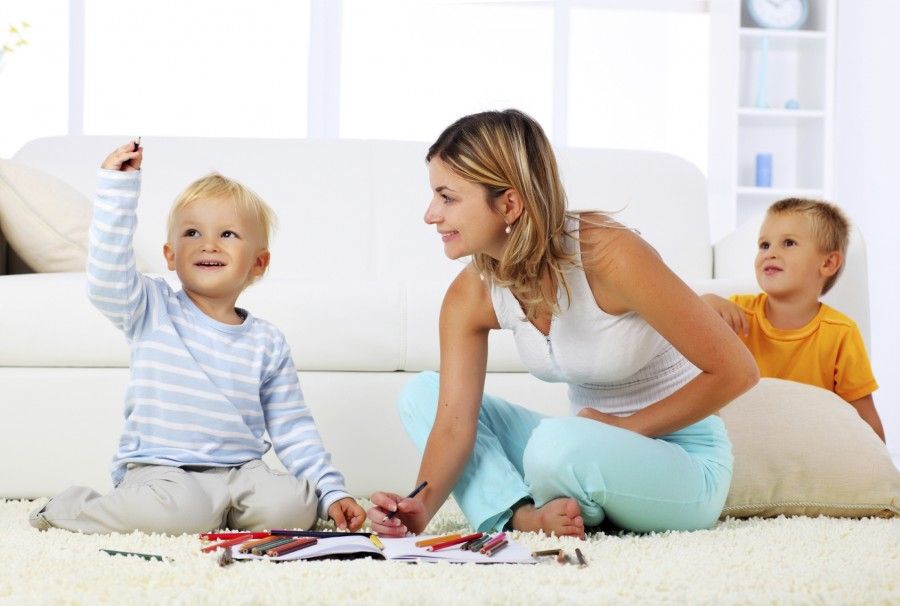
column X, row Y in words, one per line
column 44, row 219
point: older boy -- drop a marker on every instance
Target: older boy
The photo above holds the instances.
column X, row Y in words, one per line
column 802, row 244
column 207, row 378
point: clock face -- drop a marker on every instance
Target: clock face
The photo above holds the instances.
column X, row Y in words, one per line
column 780, row 14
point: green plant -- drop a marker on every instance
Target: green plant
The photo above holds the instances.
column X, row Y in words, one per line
column 14, row 39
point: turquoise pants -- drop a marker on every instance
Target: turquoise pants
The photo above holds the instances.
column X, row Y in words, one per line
column 675, row 482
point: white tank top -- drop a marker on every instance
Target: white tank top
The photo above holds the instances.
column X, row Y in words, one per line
column 616, row 364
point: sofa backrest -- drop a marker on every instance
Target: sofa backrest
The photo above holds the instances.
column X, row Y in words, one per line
column 355, row 208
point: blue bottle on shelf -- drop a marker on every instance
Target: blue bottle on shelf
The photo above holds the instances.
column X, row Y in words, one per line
column 763, row 170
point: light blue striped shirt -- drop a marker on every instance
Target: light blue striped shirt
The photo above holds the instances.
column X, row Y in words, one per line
column 201, row 392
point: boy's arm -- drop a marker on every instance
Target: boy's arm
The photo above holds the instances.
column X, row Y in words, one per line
column 866, row 409
column 114, row 285
column 295, row 436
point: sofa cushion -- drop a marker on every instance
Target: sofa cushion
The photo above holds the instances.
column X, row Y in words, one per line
column 802, row 450
column 44, row 219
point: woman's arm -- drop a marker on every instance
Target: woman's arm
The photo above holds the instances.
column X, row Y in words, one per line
column 626, row 274
column 467, row 316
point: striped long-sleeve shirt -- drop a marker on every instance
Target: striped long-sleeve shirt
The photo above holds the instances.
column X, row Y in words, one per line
column 201, row 392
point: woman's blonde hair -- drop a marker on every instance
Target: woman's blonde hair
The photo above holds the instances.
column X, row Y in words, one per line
column 215, row 185
column 503, row 150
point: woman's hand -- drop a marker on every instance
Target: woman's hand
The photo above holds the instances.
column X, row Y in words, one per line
column 410, row 514
column 347, row 514
column 602, row 417
column 125, row 158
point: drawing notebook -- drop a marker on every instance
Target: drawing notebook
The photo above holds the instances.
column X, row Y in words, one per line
column 402, row 549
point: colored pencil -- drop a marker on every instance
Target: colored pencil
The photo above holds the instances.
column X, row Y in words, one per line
column 415, row 491
column 496, row 548
column 275, row 542
column 581, row 561
column 376, row 541
column 494, row 541
column 452, row 542
column 319, row 534
column 145, row 556
column 229, row 543
column 227, row 536
column 246, row 547
column 292, row 546
column 436, row 540
column 545, row 552
column 479, row 543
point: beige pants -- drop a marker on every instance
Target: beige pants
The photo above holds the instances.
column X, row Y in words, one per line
column 175, row 500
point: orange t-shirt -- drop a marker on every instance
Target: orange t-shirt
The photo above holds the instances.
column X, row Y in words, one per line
column 828, row 352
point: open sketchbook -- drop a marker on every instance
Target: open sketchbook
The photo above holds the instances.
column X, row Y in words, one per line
column 403, row 549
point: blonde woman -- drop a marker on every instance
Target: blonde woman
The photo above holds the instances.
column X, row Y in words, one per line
column 590, row 304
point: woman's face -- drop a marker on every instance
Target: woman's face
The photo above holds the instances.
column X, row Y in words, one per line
column 466, row 221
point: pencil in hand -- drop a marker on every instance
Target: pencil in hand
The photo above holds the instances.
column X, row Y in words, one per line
column 415, row 491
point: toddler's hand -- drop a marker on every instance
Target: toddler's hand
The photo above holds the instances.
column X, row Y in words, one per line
column 125, row 158
column 347, row 514
column 733, row 315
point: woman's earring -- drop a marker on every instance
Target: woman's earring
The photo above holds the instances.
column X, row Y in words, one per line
column 508, row 228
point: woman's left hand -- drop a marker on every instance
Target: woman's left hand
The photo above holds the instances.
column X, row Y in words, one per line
column 596, row 415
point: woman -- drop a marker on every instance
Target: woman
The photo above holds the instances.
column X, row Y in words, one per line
column 590, row 303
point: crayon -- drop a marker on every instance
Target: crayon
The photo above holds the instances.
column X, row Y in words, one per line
column 415, row 491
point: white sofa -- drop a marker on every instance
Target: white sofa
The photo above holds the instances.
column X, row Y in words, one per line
column 355, row 283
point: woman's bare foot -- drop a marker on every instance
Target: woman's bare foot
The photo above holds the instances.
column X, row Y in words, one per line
column 561, row 516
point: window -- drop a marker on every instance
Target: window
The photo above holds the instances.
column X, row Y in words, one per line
column 200, row 68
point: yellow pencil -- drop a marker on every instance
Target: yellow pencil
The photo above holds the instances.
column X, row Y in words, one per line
column 434, row 540
column 374, row 538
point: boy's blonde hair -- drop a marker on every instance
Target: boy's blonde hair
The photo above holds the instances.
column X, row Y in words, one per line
column 503, row 150
column 215, row 185
column 830, row 227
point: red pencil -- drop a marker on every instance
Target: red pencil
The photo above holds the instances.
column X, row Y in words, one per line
column 452, row 542
column 228, row 543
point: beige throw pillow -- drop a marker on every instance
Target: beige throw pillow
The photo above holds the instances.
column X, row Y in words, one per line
column 43, row 219
column 802, row 450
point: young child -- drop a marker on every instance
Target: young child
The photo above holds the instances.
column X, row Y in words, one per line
column 207, row 378
column 802, row 244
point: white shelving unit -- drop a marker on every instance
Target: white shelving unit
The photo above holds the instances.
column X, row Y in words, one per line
column 749, row 88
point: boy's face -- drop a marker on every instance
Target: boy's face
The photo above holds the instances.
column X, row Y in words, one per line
column 215, row 248
column 789, row 261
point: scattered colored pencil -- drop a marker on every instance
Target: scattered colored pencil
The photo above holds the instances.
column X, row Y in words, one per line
column 229, row 543
column 246, row 547
column 545, row 552
column 452, row 542
column 498, row 538
column 275, row 542
column 581, row 561
column 145, row 556
column 497, row 547
column 436, row 540
column 295, row 545
column 227, row 536
column 376, row 541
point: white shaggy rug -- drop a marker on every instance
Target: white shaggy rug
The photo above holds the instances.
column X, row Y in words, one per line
column 784, row 561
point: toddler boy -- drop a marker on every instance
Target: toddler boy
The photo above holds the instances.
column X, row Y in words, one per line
column 802, row 245
column 207, row 378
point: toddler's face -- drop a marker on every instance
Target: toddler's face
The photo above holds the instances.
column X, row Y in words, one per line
column 215, row 248
column 788, row 259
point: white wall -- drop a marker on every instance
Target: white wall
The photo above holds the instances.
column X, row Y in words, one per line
column 867, row 151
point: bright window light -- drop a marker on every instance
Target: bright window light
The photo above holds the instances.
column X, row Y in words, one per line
column 410, row 69
column 34, row 82
column 639, row 79
column 225, row 68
